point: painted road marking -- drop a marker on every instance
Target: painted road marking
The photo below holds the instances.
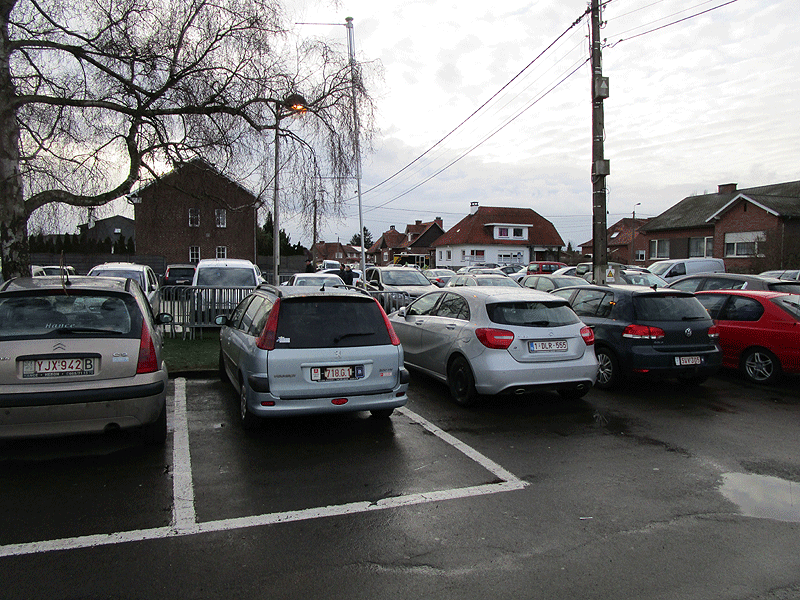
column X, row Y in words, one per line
column 184, row 521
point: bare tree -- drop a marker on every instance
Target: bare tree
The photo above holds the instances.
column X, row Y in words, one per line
column 97, row 97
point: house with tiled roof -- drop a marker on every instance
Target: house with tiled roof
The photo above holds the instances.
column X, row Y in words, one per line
column 344, row 253
column 383, row 251
column 752, row 229
column 623, row 242
column 417, row 248
column 493, row 234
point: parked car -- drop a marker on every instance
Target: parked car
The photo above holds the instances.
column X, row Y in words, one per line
column 640, row 331
column 670, row 270
column 439, row 277
column 399, row 279
column 540, row 267
column 759, row 331
column 791, row 274
column 482, row 279
column 141, row 274
column 299, row 351
column 356, row 274
column 39, row 271
column 490, row 340
column 317, row 279
column 179, row 274
column 566, row 271
column 80, row 359
column 630, row 277
column 226, row 272
column 734, row 281
column 548, row 283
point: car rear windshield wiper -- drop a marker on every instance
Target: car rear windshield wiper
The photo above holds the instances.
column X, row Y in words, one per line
column 697, row 318
column 85, row 330
column 339, row 338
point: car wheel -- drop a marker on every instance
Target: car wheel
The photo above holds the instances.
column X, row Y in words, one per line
column 249, row 420
column 223, row 375
column 608, row 375
column 383, row 413
column 155, row 433
column 760, row 366
column 462, row 382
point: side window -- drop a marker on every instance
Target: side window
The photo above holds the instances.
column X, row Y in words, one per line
column 678, row 270
column 715, row 283
column 530, row 282
column 688, row 285
column 238, row 312
column 545, row 284
column 453, row 306
column 742, row 309
column 713, row 303
column 250, row 313
column 588, row 302
column 260, row 318
column 424, row 305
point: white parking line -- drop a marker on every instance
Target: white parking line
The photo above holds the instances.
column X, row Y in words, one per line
column 184, row 521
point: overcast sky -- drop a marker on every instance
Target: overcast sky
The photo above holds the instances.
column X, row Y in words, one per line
column 712, row 99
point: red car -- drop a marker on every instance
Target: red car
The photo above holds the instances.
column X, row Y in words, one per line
column 759, row 331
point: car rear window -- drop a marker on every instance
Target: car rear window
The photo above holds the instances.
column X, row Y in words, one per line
column 668, row 308
column 532, row 314
column 330, row 322
column 790, row 304
column 226, row 277
column 184, row 273
column 135, row 275
column 25, row 316
column 790, row 287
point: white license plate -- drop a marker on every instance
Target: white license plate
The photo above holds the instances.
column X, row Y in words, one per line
column 683, row 361
column 57, row 367
column 548, row 346
column 331, row 373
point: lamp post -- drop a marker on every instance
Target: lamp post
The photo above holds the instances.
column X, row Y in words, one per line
column 633, row 236
column 293, row 103
column 351, row 49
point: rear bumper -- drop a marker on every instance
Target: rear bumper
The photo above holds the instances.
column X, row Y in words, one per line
column 645, row 360
column 496, row 373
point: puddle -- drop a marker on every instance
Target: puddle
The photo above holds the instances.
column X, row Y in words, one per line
column 762, row 496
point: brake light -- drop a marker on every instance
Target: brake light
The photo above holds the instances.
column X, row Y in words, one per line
column 587, row 333
column 148, row 361
column 643, row 332
column 713, row 332
column 266, row 341
column 392, row 335
column 495, row 338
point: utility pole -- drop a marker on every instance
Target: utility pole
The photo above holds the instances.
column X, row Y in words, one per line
column 600, row 166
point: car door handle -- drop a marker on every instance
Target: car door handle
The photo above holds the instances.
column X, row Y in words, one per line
column 451, row 326
column 419, row 322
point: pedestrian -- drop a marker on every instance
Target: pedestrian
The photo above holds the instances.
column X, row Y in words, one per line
column 348, row 275
column 309, row 266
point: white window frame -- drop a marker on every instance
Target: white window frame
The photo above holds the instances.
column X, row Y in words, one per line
column 743, row 244
column 221, row 217
column 641, row 256
column 659, row 249
column 194, row 254
column 502, row 232
column 708, row 246
column 194, row 217
column 222, row 252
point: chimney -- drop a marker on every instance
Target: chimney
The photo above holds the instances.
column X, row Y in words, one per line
column 726, row 188
column 439, row 222
column 473, row 208
column 391, row 226
column 418, row 222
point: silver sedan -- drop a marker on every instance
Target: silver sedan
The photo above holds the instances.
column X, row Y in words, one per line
column 484, row 341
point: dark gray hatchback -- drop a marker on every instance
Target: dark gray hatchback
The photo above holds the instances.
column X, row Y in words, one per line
column 640, row 331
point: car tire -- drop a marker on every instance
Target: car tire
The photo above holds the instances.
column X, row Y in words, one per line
column 155, row 433
column 462, row 382
column 383, row 413
column 760, row 366
column 248, row 420
column 608, row 375
column 223, row 374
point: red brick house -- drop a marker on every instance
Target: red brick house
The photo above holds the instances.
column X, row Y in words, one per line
column 752, row 229
column 344, row 253
column 491, row 234
column 386, row 247
column 417, row 248
column 195, row 212
column 623, row 242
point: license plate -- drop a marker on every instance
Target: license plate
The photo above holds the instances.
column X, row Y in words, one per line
column 336, row 373
column 683, row 361
column 57, row 367
column 548, row 346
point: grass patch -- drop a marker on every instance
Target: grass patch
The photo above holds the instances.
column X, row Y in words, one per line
column 199, row 354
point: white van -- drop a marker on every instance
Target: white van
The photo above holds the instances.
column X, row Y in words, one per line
column 678, row 267
column 226, row 272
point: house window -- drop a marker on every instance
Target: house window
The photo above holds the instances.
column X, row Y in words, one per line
column 502, row 232
column 701, row 246
column 221, row 216
column 518, row 232
column 194, row 217
column 449, row 255
column 440, row 255
column 744, row 243
column 194, row 254
column 640, row 256
column 476, row 256
column 385, row 256
column 659, row 248
column 222, row 252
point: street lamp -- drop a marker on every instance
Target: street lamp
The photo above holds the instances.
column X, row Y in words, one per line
column 292, row 104
column 634, row 209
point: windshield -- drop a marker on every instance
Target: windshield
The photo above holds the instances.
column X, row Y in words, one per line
column 659, row 268
column 405, row 277
column 497, row 281
column 226, row 277
column 135, row 275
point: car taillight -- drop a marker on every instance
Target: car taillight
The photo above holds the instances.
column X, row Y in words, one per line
column 588, row 335
column 392, row 335
column 266, row 341
column 643, row 332
column 495, row 338
column 148, row 362
column 713, row 332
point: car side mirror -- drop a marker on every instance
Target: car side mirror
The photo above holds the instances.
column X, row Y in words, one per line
column 401, row 312
column 163, row 318
column 221, row 320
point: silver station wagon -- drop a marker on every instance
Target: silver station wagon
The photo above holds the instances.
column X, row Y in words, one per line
column 80, row 355
column 495, row 340
column 302, row 350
